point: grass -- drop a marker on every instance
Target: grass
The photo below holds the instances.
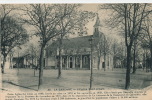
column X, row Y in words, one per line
column 72, row 79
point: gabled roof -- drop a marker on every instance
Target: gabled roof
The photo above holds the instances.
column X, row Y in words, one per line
column 75, row 43
column 79, row 42
column 23, row 55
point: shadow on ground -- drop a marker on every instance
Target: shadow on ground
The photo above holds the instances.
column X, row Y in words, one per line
column 26, row 81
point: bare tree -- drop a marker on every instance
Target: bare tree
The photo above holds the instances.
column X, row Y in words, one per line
column 34, row 55
column 129, row 18
column 148, row 36
column 135, row 51
column 103, row 49
column 45, row 19
column 71, row 20
column 12, row 33
column 118, row 53
column 50, row 21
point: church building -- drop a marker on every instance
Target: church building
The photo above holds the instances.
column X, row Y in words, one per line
column 76, row 52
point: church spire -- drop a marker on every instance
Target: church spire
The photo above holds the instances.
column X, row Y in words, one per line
column 97, row 24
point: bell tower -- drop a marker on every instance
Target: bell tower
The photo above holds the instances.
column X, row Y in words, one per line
column 97, row 26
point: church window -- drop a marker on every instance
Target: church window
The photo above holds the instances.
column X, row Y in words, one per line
column 64, row 60
column 96, row 29
column 85, row 60
column 77, row 60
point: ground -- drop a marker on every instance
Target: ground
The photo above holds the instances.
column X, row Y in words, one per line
column 109, row 79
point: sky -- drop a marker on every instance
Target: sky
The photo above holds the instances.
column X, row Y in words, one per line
column 103, row 15
column 93, row 8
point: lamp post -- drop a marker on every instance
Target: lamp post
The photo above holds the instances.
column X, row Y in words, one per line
column 104, row 53
column 91, row 75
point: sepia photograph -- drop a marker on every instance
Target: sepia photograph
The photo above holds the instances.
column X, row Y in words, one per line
column 75, row 46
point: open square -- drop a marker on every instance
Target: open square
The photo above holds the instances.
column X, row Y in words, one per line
column 72, row 79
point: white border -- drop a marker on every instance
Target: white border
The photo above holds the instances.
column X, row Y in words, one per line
column 73, row 1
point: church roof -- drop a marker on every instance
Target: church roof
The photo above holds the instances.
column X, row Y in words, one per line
column 78, row 42
column 74, row 43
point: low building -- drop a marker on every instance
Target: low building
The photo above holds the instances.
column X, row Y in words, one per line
column 24, row 61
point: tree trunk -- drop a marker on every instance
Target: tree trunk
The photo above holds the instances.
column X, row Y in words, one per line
column 35, row 67
column 3, row 64
column 10, row 60
column 151, row 57
column 114, row 62
column 146, row 64
column 41, row 66
column 127, row 84
column 104, row 62
column 144, row 61
column 134, row 64
column 104, row 54
column 99, row 62
column 134, row 59
column 59, row 67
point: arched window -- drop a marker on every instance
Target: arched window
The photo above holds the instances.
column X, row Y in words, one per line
column 77, row 60
column 64, row 60
column 71, row 62
column 70, row 59
column 85, row 60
